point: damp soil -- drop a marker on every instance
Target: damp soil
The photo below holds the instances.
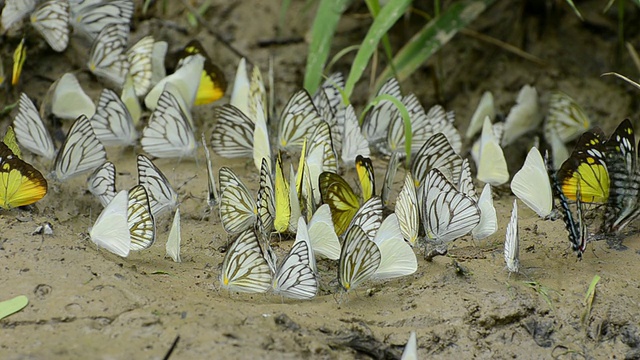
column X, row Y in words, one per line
column 88, row 303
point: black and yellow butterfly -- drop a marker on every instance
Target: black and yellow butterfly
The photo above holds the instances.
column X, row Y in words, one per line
column 213, row 83
column 20, row 183
column 585, row 171
column 341, row 198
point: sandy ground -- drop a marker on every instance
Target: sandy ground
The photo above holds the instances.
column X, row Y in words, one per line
column 87, row 303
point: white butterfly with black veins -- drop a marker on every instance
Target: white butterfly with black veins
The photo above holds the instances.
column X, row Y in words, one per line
column 80, row 152
column 238, row 208
column 112, row 122
column 512, row 242
column 102, row 183
column 436, row 153
column 297, row 121
column 89, row 17
column 376, row 123
column 15, row 10
column 169, row 133
column 244, row 268
column 142, row 226
column 407, row 211
column 295, row 277
column 51, row 19
column 565, row 117
column 107, row 58
column 139, row 57
column 213, row 197
column 531, row 184
column 359, row 259
column 162, row 196
column 353, row 142
column 30, row 130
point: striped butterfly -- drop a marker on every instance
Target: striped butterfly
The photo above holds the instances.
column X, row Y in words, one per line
column 247, row 93
column 172, row 247
column 447, row 213
column 302, row 235
column 142, row 226
column 232, row 135
column 492, row 167
column 162, row 196
column 396, row 256
column 485, row 108
column 566, row 117
column 89, row 17
column 139, row 57
column 112, row 122
column 465, row 182
column 238, row 208
column 420, row 127
column 213, row 197
column 368, row 217
column 376, row 123
column 102, row 183
column 169, row 133
column 68, row 100
column 389, row 177
column 51, row 19
column 15, row 10
column 328, row 99
column 81, row 151
column 266, row 203
column 297, row 121
column 130, row 99
column 107, row 58
column 30, row 130
column 436, row 153
column 185, row 81
column 261, row 146
column 244, row 268
column 488, row 224
column 523, row 117
column 20, row 183
column 295, row 278
column 407, row 211
column 512, row 242
column 531, row 184
column 353, row 142
column 111, row 229
column 359, row 259
column 441, row 121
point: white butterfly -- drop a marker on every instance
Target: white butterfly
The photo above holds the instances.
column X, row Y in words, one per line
column 173, row 243
column 488, row 224
column 376, row 123
column 51, row 19
column 15, row 10
column 248, row 93
column 566, row 117
column 102, row 183
column 185, row 82
column 320, row 155
column 447, row 213
column 140, row 60
column 238, row 208
column 328, row 99
column 68, row 100
column 397, row 256
column 30, row 130
column 142, row 226
column 232, row 135
column 266, row 203
column 531, row 184
column 241, row 88
column 158, row 54
column 89, row 17
column 297, row 121
column 523, row 117
column 436, row 153
column 107, row 58
column 465, row 183
column 441, row 121
column 389, row 177
column 485, row 108
column 213, row 195
column 407, row 211
column 359, row 259
column 369, row 217
column 111, row 229
column 322, row 234
column 492, row 167
column 169, row 133
column 112, row 122
column 353, row 142
column 512, row 241
column 411, row 349
column 295, row 278
column 80, row 152
column 261, row 146
column 162, row 196
column 244, row 267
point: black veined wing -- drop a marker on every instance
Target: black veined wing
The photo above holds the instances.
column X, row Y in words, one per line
column 80, row 152
column 214, row 196
column 376, row 123
column 447, row 213
column 213, row 83
column 368, row 217
column 15, row 10
column 297, row 121
column 420, row 127
column 407, row 211
column 139, row 57
column 232, row 135
column 624, row 185
column 337, row 193
column 20, row 183
column 327, row 98
column 112, row 122
column 107, row 58
column 295, row 278
column 359, row 259
column 266, row 204
column 512, row 241
column 102, row 183
column 89, row 17
column 162, row 196
column 353, row 142
column 566, row 117
column 30, row 130
column 389, row 176
column 51, row 19
column 244, row 268
column 142, row 226
column 587, row 165
column 436, row 153
column 439, row 121
column 238, row 208
column 577, row 230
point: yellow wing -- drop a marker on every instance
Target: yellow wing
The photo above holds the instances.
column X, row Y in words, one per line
column 20, row 183
column 585, row 172
column 283, row 204
column 12, row 142
column 213, row 83
column 343, row 202
column 364, row 167
column 19, row 56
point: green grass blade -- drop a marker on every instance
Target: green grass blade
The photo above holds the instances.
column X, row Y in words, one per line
column 388, row 16
column 374, row 9
column 322, row 31
column 588, row 299
column 575, row 9
column 432, row 37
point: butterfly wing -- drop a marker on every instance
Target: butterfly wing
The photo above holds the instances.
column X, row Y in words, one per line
column 295, row 278
column 51, row 19
column 112, row 122
column 80, row 152
column 30, row 130
column 512, row 241
column 244, row 268
column 407, row 211
column 359, row 259
column 531, row 184
column 343, row 202
column 397, row 256
column 142, row 226
column 102, row 183
column 162, row 196
column 111, row 229
column 20, row 183
column 238, row 208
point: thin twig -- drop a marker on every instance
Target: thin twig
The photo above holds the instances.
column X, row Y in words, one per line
column 506, row 46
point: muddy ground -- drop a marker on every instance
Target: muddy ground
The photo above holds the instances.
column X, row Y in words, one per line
column 87, row 303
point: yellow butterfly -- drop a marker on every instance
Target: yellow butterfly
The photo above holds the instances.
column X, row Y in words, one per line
column 585, row 172
column 12, row 142
column 213, row 84
column 19, row 56
column 20, row 183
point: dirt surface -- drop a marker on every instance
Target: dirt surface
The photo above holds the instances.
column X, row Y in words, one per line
column 87, row 303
